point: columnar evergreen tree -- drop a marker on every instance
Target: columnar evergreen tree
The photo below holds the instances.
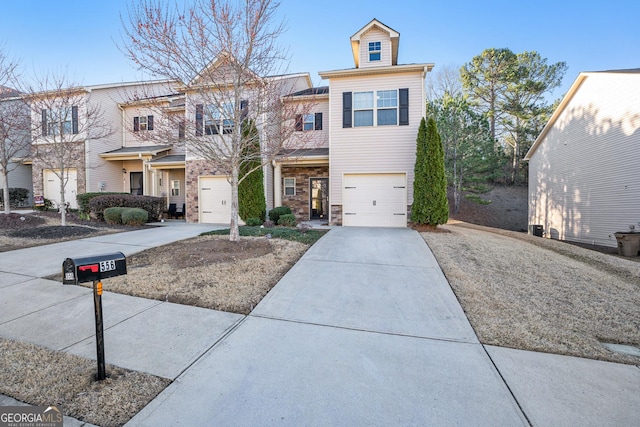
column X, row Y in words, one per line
column 430, row 204
column 251, row 201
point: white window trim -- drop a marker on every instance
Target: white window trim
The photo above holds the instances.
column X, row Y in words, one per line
column 375, row 108
column 285, row 186
column 175, row 190
column 372, row 108
column 60, row 118
column 370, row 52
column 395, row 107
column 308, row 119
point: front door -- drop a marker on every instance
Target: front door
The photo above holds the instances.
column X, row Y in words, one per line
column 319, row 198
column 136, row 183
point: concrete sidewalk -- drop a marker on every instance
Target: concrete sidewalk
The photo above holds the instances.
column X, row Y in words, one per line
column 363, row 330
column 157, row 337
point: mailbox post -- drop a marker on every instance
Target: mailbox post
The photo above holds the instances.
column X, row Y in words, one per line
column 94, row 269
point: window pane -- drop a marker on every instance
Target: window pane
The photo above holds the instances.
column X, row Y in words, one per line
column 363, row 118
column 290, row 186
column 374, row 46
column 374, row 56
column 362, row 100
column 387, row 117
column 309, row 121
column 387, row 98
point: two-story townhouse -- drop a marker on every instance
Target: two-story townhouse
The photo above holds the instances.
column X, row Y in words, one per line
column 213, row 111
column 152, row 154
column 83, row 130
column 375, row 111
column 301, row 173
column 349, row 159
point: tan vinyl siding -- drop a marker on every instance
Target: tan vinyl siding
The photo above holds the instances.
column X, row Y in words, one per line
column 375, row 35
column 389, row 149
column 312, row 138
column 98, row 170
column 110, row 172
column 584, row 177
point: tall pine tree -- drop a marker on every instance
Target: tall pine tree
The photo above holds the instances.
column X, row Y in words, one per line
column 251, row 201
column 430, row 204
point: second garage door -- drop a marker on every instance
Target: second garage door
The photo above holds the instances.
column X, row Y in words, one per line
column 374, row 200
column 214, row 199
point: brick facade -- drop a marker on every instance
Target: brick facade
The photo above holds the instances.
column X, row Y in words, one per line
column 299, row 203
column 194, row 169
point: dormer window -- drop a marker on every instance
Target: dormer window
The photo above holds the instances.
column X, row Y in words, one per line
column 374, row 51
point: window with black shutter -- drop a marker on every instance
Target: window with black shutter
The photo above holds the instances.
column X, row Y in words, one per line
column 199, row 119
column 346, row 109
column 44, row 123
column 298, row 122
column 404, row 107
column 318, row 118
column 74, row 120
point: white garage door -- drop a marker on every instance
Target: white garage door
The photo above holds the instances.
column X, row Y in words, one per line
column 374, row 200
column 52, row 187
column 214, row 200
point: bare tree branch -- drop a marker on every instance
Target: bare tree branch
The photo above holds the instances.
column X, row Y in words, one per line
column 225, row 58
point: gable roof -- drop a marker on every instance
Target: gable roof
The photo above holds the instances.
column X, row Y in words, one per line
column 393, row 34
column 223, row 58
column 565, row 101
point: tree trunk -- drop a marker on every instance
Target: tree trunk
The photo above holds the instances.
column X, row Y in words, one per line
column 456, row 187
column 63, row 207
column 234, row 232
column 7, row 202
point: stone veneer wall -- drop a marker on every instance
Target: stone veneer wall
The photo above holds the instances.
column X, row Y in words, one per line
column 39, row 165
column 336, row 214
column 299, row 203
column 194, row 169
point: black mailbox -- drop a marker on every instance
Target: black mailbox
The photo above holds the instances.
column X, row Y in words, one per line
column 91, row 268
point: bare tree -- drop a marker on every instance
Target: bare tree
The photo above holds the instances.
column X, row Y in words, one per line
column 63, row 119
column 14, row 124
column 444, row 80
column 219, row 53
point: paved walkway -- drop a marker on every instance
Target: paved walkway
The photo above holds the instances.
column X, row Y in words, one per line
column 363, row 330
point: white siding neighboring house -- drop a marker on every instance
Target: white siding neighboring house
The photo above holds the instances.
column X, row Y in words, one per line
column 584, row 168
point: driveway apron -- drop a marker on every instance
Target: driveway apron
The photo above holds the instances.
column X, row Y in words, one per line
column 363, row 330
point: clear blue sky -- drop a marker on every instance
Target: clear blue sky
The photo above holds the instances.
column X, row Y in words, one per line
column 79, row 36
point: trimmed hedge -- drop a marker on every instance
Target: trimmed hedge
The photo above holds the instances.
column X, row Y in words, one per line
column 134, row 216
column 84, row 199
column 275, row 213
column 114, row 215
column 17, row 196
column 153, row 205
column 254, row 222
column 287, row 220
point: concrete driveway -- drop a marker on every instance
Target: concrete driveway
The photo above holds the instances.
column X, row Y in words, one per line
column 363, row 330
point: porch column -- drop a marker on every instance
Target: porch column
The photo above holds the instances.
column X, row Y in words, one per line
column 277, row 185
